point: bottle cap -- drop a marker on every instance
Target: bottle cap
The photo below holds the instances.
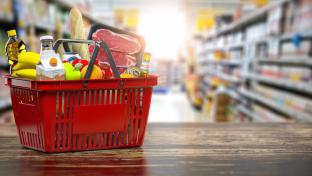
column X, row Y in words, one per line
column 53, row 62
column 11, row 33
column 46, row 37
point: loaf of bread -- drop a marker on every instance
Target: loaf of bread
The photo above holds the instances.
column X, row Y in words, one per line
column 77, row 31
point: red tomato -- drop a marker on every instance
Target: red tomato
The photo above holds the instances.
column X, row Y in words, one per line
column 108, row 72
column 103, row 73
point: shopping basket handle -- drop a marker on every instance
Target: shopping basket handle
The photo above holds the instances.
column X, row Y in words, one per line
column 66, row 41
column 97, row 47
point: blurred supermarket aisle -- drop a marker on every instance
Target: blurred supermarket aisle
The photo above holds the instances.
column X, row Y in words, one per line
column 164, row 108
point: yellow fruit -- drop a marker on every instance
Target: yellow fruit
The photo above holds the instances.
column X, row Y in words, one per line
column 25, row 73
column 30, row 58
column 14, row 74
column 20, row 66
column 96, row 72
column 11, row 62
column 126, row 75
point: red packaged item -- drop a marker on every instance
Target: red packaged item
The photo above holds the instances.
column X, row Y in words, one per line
column 121, row 59
column 117, row 42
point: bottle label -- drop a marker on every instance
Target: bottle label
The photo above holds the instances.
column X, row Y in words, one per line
column 13, row 51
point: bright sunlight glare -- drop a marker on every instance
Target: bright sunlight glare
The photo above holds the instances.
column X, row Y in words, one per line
column 164, row 32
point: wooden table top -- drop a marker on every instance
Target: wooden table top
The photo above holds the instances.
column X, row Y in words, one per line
column 177, row 149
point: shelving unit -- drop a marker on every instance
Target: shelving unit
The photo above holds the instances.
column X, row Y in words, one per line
column 251, row 62
column 302, row 87
column 290, row 60
column 289, row 112
column 5, row 104
column 66, row 5
column 253, row 116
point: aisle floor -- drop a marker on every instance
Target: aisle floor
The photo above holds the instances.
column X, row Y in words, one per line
column 173, row 107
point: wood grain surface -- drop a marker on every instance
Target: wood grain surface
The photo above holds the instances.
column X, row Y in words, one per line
column 177, row 149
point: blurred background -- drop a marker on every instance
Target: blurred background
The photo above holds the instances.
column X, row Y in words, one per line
column 217, row 60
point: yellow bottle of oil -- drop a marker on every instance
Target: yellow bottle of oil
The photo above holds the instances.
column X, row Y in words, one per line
column 145, row 64
column 13, row 47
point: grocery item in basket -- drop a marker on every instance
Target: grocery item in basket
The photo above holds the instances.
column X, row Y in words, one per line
column 80, row 63
column 70, row 57
column 26, row 60
column 71, row 73
column 135, row 71
column 50, row 66
column 121, row 59
column 25, row 73
column 31, row 58
column 26, row 65
column 20, row 66
column 106, row 69
column 13, row 47
column 117, row 42
column 95, row 74
column 145, row 64
column 78, row 31
column 126, row 75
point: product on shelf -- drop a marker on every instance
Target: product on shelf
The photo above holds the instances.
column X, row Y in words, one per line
column 50, row 66
column 267, row 115
column 303, row 49
column 6, row 10
column 291, row 73
column 221, row 108
column 275, row 22
column 273, row 48
column 256, row 32
column 302, row 16
column 286, row 99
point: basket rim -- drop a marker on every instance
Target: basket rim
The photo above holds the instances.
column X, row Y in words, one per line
column 59, row 85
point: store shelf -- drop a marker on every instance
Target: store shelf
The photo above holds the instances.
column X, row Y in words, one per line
column 4, row 64
column 251, row 17
column 6, row 18
column 252, row 115
column 224, row 76
column 232, row 93
column 232, row 62
column 5, row 103
column 235, row 46
column 301, row 116
column 66, row 5
column 302, row 34
column 291, row 60
column 302, row 87
column 228, row 77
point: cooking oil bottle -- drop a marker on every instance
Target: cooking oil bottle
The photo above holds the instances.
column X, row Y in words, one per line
column 145, row 64
column 13, row 47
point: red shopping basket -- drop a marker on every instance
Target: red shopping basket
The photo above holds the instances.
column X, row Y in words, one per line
column 60, row 116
